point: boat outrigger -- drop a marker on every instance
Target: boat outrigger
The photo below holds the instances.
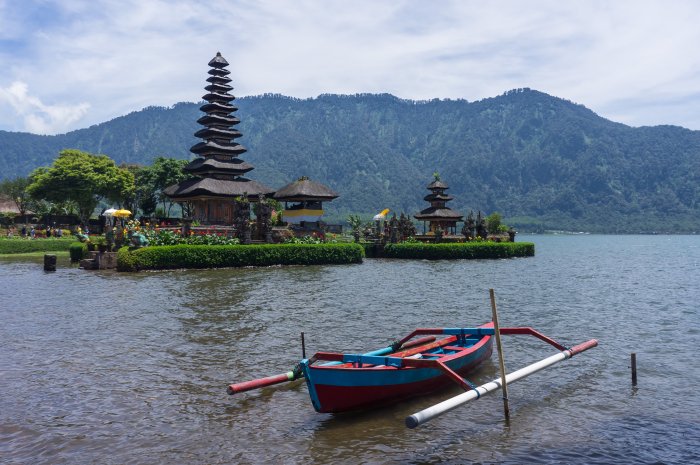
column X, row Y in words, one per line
column 407, row 368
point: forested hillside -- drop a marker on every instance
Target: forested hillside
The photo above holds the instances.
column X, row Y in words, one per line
column 542, row 162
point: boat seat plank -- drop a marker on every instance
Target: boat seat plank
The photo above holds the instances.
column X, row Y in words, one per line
column 455, row 348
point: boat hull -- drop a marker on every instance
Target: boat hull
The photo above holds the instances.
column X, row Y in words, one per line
column 342, row 388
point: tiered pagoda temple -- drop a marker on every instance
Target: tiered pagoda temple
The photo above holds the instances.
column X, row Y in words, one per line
column 218, row 171
column 306, row 198
column 438, row 215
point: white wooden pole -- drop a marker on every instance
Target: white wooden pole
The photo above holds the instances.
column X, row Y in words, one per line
column 436, row 410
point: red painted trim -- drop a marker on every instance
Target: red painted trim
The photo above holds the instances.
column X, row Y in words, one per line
column 330, row 356
column 421, row 331
column 532, row 332
column 338, row 357
column 334, row 399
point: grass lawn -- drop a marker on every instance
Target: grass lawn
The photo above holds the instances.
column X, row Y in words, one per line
column 11, row 246
column 58, row 253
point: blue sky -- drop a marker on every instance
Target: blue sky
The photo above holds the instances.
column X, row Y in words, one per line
column 69, row 64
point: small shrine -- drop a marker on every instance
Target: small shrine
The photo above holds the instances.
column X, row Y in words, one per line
column 218, row 171
column 442, row 220
column 303, row 203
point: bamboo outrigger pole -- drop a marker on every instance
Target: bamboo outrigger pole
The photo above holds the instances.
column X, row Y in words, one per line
column 501, row 363
column 454, row 402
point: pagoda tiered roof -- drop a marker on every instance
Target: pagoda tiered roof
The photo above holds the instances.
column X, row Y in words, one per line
column 218, row 62
column 218, row 120
column 213, row 166
column 210, row 187
column 218, row 108
column 213, row 148
column 218, row 165
column 435, row 213
column 218, row 84
column 437, row 184
column 438, row 211
column 438, row 197
column 217, row 132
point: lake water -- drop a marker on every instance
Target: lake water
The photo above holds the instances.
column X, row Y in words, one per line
column 113, row 368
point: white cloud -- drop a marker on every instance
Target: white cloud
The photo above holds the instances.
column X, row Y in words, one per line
column 622, row 59
column 38, row 117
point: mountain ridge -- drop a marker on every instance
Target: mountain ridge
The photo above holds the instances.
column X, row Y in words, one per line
column 543, row 162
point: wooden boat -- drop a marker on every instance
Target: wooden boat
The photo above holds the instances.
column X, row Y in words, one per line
column 339, row 382
column 357, row 381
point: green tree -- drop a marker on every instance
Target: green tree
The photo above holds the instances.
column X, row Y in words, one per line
column 82, row 178
column 143, row 196
column 355, row 222
column 164, row 173
column 148, row 203
column 42, row 209
column 16, row 189
column 493, row 223
column 7, row 218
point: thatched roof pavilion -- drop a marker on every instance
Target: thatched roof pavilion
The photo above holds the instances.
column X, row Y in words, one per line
column 308, row 197
column 7, row 205
column 304, row 189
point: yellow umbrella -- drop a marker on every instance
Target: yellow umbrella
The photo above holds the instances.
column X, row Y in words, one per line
column 381, row 215
column 122, row 213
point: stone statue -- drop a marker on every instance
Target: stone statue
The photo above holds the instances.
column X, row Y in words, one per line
column 394, row 229
column 263, row 214
column 137, row 240
column 109, row 237
column 481, row 226
column 469, row 225
column 406, row 227
column 438, row 234
column 242, row 219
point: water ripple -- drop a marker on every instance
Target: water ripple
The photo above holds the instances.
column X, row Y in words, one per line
column 131, row 368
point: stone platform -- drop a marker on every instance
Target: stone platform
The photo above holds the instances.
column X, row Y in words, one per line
column 99, row 261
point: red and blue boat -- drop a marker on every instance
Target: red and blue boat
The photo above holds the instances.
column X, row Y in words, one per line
column 342, row 382
column 360, row 381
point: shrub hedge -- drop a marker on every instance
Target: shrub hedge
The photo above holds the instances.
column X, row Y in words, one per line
column 221, row 256
column 19, row 245
column 78, row 251
column 461, row 250
column 372, row 250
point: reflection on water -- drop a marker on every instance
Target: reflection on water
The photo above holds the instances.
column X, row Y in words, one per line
column 132, row 368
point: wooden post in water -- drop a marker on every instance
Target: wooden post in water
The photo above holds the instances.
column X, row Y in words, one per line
column 634, row 368
column 303, row 346
column 49, row 262
column 501, row 363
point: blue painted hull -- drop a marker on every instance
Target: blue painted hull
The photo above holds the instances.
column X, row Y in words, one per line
column 346, row 387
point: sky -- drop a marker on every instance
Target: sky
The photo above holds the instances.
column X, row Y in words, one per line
column 70, row 64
